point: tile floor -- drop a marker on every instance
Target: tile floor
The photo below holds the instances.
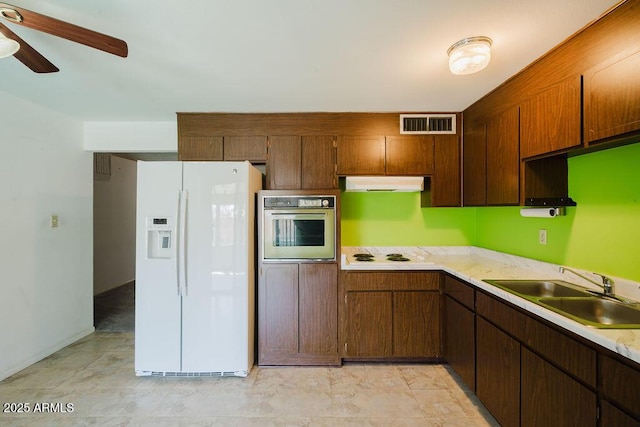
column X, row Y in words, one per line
column 95, row 375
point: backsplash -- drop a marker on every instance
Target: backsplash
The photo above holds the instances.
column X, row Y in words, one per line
column 396, row 219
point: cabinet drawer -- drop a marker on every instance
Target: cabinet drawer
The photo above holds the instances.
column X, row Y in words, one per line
column 621, row 384
column 507, row 318
column 574, row 357
column 460, row 292
column 390, row 281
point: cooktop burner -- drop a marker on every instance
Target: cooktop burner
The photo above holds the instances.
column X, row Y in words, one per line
column 395, row 257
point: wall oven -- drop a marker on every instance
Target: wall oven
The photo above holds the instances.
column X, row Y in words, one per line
column 297, row 227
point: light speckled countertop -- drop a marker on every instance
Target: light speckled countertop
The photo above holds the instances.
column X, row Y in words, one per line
column 473, row 265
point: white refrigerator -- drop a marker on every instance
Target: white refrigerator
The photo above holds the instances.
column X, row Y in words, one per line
column 195, row 268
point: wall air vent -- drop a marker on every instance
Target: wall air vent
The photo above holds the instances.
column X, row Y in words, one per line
column 424, row 124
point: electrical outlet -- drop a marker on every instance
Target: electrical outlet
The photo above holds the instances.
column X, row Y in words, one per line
column 54, row 221
column 542, row 237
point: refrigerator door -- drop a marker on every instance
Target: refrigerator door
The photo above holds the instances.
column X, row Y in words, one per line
column 218, row 304
column 158, row 308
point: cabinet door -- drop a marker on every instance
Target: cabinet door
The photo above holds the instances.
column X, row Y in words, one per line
column 361, row 155
column 277, row 313
column 284, row 162
column 241, row 148
column 551, row 120
column 369, row 324
column 318, row 308
column 610, row 416
column 503, row 158
column 612, row 97
column 445, row 183
column 416, row 324
column 552, row 398
column 409, row 155
column 621, row 384
column 498, row 373
column 318, row 163
column 200, row 148
column 475, row 166
column 459, row 340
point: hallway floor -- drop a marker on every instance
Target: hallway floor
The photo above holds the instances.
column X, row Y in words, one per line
column 95, row 376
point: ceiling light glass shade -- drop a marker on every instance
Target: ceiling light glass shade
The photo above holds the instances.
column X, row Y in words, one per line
column 7, row 46
column 469, row 55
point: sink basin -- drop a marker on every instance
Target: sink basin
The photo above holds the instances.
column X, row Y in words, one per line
column 598, row 312
column 539, row 288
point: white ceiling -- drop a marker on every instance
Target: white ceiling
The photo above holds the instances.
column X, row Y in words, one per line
column 283, row 55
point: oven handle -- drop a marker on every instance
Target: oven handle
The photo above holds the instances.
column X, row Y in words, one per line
column 291, row 215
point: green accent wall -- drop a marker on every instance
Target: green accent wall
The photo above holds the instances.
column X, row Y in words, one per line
column 396, row 219
column 601, row 234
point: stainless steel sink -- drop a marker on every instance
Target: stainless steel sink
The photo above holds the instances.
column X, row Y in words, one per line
column 595, row 311
column 540, row 288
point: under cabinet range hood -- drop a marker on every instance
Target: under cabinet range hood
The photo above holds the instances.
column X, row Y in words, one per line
column 384, row 183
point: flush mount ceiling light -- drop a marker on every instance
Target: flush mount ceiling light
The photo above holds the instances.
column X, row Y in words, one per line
column 469, row 55
column 7, row 46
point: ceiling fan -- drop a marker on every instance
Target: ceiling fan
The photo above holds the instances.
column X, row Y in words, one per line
column 31, row 57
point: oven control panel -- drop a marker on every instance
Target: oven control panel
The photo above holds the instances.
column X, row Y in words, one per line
column 275, row 202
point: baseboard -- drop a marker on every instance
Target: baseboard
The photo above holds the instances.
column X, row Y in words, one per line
column 45, row 353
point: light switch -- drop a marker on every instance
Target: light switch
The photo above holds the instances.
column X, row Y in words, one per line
column 54, row 221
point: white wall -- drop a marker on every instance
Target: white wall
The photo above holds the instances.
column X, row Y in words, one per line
column 45, row 273
column 114, row 226
column 131, row 137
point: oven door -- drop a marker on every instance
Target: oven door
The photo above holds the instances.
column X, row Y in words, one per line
column 299, row 234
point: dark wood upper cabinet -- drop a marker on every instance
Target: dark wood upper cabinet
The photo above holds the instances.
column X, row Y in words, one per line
column 491, row 163
column 200, row 148
column 361, row 155
column 409, row 155
column 612, row 97
column 301, row 162
column 445, row 184
column 503, row 158
column 392, row 155
column 241, row 148
column 284, row 162
column 318, row 163
column 475, row 166
column 550, row 121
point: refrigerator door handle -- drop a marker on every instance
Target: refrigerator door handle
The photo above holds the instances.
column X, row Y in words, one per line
column 182, row 242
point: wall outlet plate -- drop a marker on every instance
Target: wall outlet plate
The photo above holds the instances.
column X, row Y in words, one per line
column 542, row 236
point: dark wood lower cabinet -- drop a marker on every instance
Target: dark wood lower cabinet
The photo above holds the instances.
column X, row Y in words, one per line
column 416, row 331
column 610, row 416
column 277, row 313
column 390, row 315
column 297, row 314
column 549, row 397
column 370, row 327
column 459, row 340
column 498, row 373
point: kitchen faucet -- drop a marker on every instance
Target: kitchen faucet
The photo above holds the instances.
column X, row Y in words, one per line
column 607, row 283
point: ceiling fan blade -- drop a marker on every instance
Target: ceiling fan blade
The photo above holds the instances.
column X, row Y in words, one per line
column 64, row 30
column 28, row 55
